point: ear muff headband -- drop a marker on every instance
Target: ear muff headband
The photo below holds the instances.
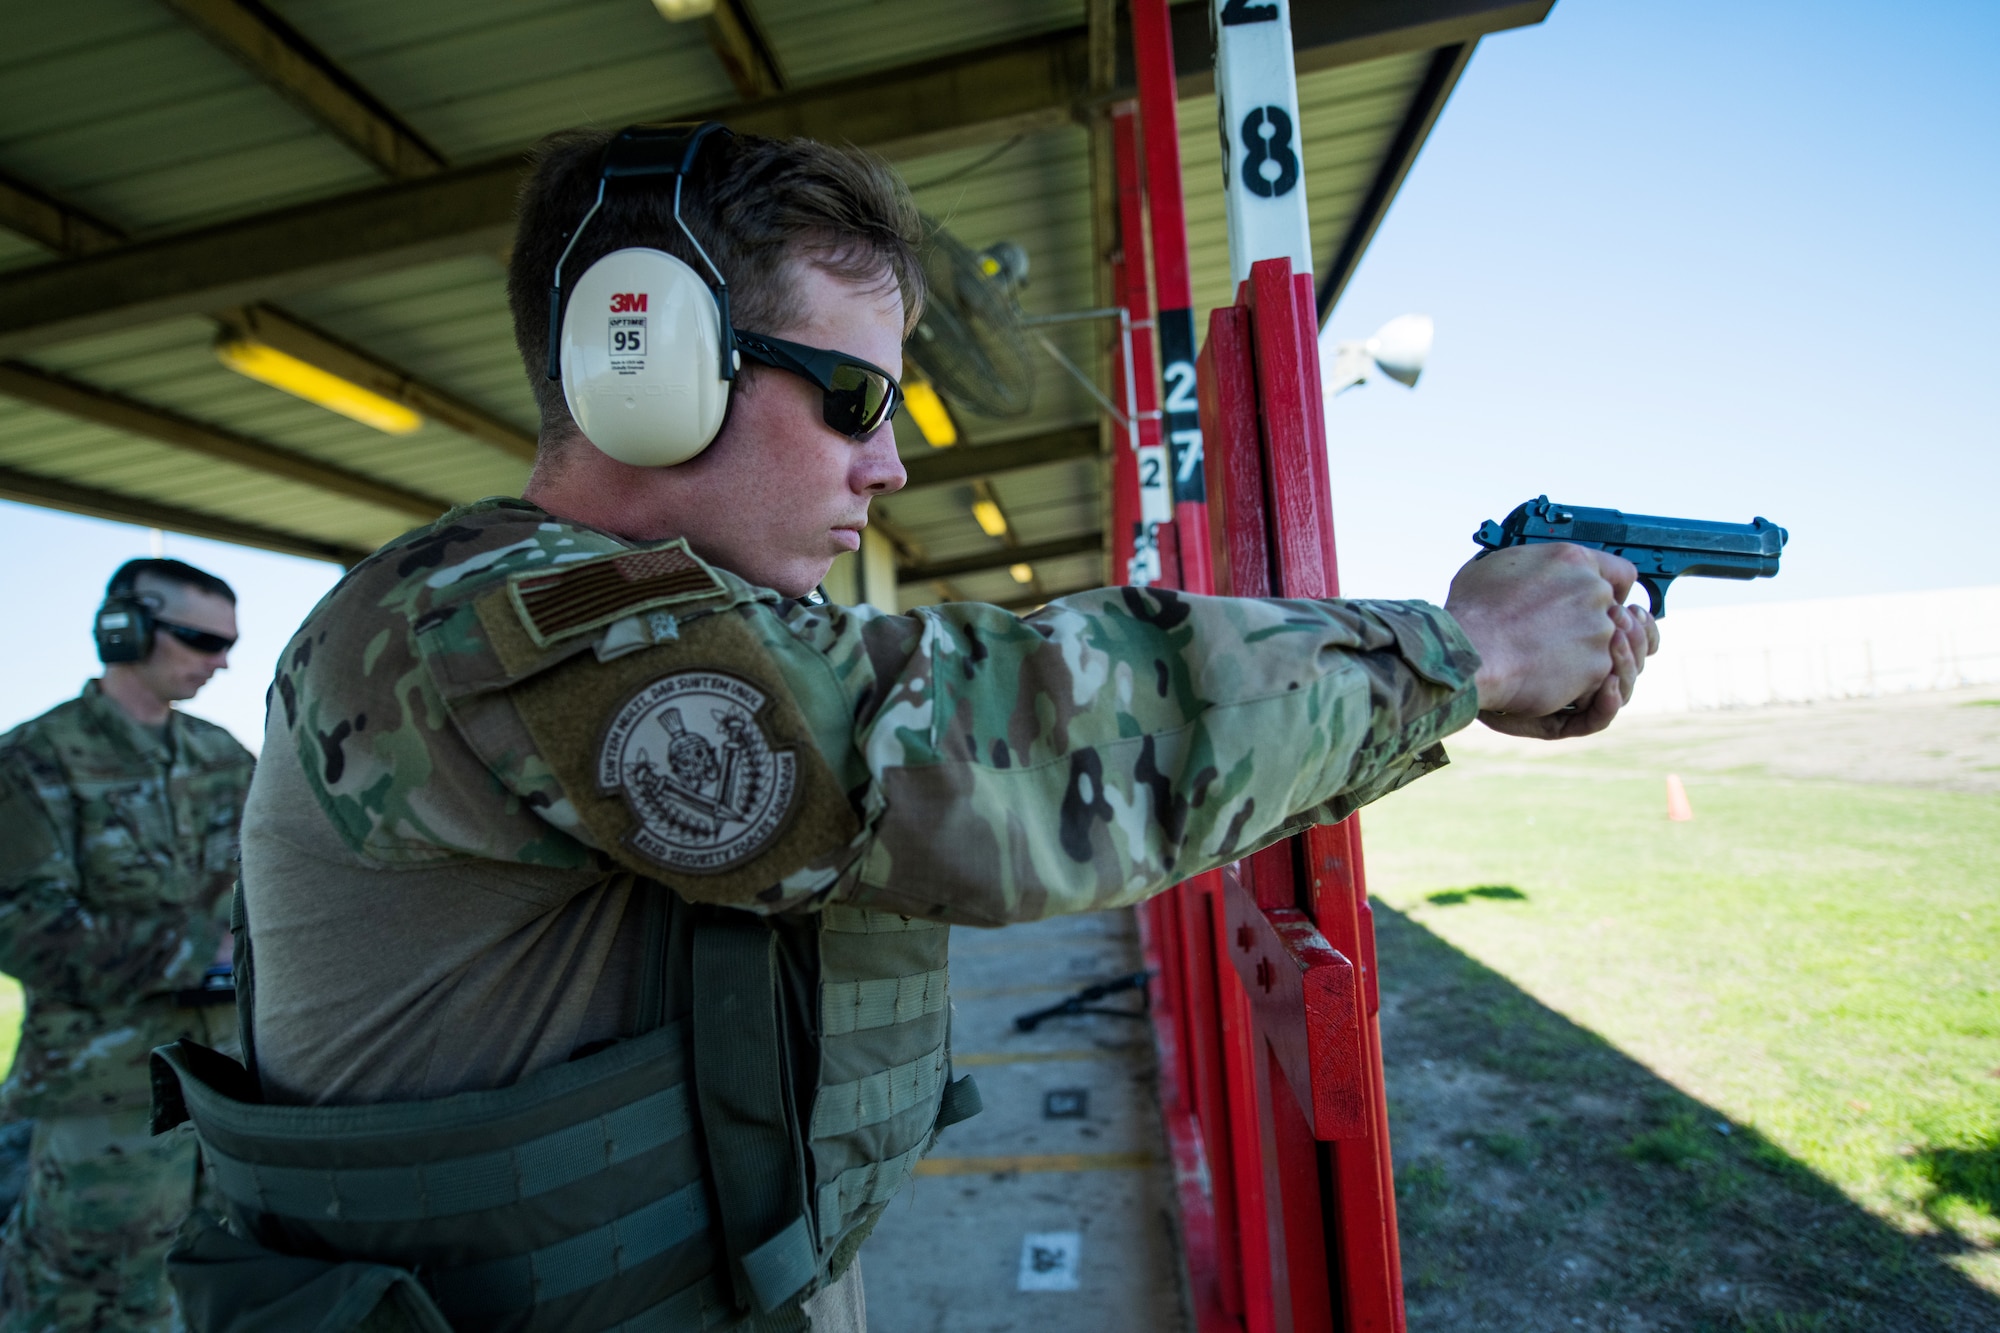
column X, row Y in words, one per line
column 639, row 151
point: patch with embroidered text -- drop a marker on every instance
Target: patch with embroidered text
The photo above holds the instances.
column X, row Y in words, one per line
column 559, row 603
column 691, row 756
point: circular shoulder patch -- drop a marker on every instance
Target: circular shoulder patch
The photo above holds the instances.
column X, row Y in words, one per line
column 692, row 760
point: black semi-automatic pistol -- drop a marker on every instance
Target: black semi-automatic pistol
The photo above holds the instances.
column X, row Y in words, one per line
column 1662, row 548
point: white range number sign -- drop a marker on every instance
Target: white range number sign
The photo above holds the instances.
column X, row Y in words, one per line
column 1156, row 492
column 1263, row 163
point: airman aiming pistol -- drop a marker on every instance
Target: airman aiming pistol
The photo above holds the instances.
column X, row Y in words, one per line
column 1663, row 548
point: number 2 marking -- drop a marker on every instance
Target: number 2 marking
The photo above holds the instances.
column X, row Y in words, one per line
column 1237, row 12
column 1276, row 147
column 1149, row 473
column 1180, row 388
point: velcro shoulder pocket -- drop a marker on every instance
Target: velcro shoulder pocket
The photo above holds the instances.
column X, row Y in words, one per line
column 537, row 619
column 658, row 718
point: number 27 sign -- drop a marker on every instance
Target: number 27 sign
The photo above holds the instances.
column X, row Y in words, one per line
column 1258, row 105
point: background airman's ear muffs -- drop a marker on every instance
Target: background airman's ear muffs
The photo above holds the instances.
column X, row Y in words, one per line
column 123, row 625
column 643, row 346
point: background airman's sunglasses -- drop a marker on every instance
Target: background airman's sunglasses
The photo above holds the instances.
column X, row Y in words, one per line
column 856, row 398
column 198, row 639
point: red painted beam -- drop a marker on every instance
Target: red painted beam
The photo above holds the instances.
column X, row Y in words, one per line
column 1302, row 991
column 1193, row 1177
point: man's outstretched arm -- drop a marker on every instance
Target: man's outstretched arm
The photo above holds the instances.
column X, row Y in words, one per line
column 1118, row 741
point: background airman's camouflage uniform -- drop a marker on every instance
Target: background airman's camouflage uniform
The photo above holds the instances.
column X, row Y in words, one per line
column 118, row 848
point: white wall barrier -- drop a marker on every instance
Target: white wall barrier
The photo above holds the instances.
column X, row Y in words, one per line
column 1836, row 648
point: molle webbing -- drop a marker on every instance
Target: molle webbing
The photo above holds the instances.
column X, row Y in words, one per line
column 844, row 920
column 454, row 1185
column 844, row 1107
column 576, row 1198
column 501, row 1286
column 702, row 1306
column 573, row 1199
column 740, row 1061
column 856, row 1006
column 885, row 1064
column 872, row 1182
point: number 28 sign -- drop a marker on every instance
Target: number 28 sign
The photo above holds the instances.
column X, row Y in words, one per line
column 1258, row 104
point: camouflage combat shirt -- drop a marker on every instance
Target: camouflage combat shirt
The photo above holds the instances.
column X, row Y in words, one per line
column 118, row 849
column 499, row 730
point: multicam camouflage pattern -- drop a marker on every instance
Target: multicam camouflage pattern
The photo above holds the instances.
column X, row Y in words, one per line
column 459, row 708
column 1002, row 769
column 117, row 853
column 86, row 1248
column 118, row 849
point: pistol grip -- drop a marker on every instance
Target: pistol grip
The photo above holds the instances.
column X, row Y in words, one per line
column 1656, row 595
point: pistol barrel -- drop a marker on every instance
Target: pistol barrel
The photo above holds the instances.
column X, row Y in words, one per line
column 1662, row 549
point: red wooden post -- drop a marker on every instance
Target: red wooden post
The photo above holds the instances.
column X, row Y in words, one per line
column 1296, row 924
column 1275, row 1058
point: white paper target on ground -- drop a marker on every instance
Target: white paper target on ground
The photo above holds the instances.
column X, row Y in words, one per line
column 1263, row 159
column 1049, row 1260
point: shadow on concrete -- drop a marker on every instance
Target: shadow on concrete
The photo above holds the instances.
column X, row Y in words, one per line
column 1545, row 1180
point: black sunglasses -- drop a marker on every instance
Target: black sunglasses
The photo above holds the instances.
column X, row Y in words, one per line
column 198, row 639
column 856, row 398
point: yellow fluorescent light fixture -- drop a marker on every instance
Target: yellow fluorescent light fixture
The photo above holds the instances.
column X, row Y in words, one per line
column 1021, row 573
column 928, row 411
column 989, row 518
column 304, row 380
column 680, row 11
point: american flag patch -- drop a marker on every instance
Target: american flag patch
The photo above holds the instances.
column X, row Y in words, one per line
column 596, row 592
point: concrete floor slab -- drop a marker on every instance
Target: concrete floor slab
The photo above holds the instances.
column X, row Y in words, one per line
column 948, row 1254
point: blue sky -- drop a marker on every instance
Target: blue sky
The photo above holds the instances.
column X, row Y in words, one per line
column 1695, row 259
column 55, row 566
column 1698, row 259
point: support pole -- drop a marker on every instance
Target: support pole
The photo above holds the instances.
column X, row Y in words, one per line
column 1153, row 50
column 1153, row 554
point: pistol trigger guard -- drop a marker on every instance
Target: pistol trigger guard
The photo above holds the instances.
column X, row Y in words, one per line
column 1656, row 595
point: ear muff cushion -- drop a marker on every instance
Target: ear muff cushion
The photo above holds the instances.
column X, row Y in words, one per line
column 642, row 358
column 123, row 630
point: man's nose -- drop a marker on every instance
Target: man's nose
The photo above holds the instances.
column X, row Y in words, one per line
column 877, row 469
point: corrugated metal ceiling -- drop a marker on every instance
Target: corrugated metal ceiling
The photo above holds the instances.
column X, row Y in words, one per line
column 173, row 134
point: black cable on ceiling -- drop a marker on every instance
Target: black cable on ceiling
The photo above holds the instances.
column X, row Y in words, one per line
column 971, row 168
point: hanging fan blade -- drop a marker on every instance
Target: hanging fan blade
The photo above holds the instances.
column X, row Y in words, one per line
column 970, row 342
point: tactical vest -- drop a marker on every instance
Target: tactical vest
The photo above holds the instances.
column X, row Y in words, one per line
column 707, row 1174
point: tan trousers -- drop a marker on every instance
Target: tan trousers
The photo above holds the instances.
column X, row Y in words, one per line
column 839, row 1308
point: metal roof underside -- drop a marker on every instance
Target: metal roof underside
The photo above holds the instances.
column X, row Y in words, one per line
column 192, row 181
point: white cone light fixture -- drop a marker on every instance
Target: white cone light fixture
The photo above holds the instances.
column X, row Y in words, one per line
column 1398, row 350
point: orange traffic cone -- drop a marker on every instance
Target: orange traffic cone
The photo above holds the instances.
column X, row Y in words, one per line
column 1678, row 808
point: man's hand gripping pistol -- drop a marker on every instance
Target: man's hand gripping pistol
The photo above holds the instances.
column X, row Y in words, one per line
column 1663, row 549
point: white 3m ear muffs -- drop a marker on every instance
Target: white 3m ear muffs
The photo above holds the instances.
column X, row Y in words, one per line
column 644, row 346
column 641, row 358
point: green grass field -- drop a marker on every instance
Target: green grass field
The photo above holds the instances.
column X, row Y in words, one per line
column 1819, row 960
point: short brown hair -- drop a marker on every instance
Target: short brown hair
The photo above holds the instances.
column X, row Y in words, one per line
column 125, row 579
column 755, row 204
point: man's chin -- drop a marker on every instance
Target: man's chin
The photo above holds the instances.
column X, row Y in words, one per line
column 811, row 576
